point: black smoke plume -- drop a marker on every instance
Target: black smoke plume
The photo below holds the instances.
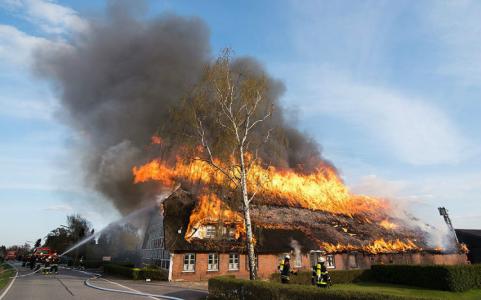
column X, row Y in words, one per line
column 117, row 84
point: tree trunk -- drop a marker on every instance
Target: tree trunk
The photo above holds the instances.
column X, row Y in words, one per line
column 247, row 219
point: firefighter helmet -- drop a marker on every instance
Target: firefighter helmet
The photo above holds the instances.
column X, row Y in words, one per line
column 287, row 256
column 321, row 259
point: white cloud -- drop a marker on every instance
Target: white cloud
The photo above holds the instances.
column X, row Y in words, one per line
column 455, row 25
column 26, row 109
column 48, row 15
column 414, row 129
column 16, row 46
column 59, row 208
column 373, row 185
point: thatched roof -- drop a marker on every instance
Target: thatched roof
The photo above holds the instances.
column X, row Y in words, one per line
column 275, row 228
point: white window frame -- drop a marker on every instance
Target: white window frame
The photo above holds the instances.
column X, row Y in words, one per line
column 330, row 261
column 189, row 262
column 213, row 262
column 298, row 261
column 210, row 231
column 233, row 262
column 231, row 233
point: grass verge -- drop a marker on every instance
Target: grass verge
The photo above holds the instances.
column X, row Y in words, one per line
column 6, row 271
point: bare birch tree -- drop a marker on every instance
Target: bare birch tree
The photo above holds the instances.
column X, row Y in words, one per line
column 230, row 112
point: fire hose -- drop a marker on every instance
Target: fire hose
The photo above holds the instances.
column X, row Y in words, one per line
column 24, row 275
column 131, row 292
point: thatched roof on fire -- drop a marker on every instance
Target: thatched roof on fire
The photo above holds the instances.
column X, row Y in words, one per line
column 276, row 228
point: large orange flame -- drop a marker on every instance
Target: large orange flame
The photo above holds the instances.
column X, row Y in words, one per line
column 322, row 190
column 210, row 210
column 376, row 247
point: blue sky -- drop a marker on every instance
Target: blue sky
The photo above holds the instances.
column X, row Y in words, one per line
column 391, row 90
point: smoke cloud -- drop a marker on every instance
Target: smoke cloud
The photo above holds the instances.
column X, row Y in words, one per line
column 119, row 81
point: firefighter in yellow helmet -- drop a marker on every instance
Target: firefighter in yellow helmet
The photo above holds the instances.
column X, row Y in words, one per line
column 285, row 269
column 320, row 275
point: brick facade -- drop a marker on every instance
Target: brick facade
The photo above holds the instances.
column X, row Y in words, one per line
column 268, row 263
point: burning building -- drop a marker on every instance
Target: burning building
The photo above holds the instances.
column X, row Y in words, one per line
column 120, row 81
column 199, row 235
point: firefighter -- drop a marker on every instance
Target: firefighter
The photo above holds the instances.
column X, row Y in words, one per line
column 46, row 265
column 54, row 263
column 285, row 269
column 322, row 277
column 31, row 261
column 81, row 264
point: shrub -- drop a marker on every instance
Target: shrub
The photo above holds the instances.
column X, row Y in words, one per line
column 93, row 264
column 113, row 269
column 237, row 289
column 451, row 278
column 135, row 273
column 338, row 276
column 155, row 274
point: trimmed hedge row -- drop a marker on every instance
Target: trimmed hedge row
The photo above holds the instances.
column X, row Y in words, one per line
column 135, row 273
column 337, row 276
column 93, row 264
column 237, row 289
column 450, row 278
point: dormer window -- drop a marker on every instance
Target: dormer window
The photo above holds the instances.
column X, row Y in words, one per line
column 210, row 231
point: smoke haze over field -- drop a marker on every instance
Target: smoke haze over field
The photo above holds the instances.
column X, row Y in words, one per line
column 118, row 81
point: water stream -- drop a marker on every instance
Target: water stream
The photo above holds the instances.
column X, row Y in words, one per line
column 120, row 221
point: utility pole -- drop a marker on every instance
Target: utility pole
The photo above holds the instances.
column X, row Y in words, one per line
column 444, row 212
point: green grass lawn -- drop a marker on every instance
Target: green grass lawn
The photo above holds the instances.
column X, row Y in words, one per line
column 401, row 290
column 5, row 272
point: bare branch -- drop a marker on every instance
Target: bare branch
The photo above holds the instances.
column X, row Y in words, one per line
column 251, row 198
column 210, row 161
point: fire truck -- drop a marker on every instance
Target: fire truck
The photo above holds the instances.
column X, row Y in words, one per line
column 41, row 254
column 11, row 255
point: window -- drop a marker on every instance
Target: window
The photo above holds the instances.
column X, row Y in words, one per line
column 213, row 262
column 330, row 263
column 298, row 260
column 231, row 233
column 189, row 262
column 210, row 231
column 233, row 261
column 352, row 261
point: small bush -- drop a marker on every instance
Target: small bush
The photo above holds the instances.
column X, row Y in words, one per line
column 337, row 277
column 155, row 274
column 113, row 269
column 93, row 264
column 450, row 278
column 135, row 273
column 237, row 289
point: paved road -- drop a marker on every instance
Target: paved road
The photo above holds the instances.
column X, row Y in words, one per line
column 69, row 284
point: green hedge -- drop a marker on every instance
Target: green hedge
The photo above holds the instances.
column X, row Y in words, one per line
column 135, row 273
column 338, row 276
column 450, row 278
column 155, row 274
column 113, row 269
column 93, row 264
column 237, row 289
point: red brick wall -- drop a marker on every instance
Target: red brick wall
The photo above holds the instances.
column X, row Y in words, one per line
column 268, row 264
